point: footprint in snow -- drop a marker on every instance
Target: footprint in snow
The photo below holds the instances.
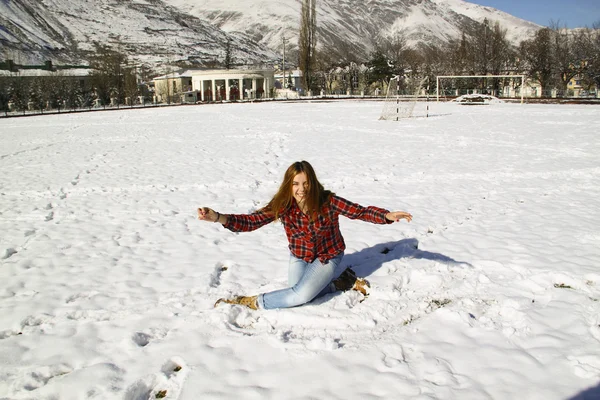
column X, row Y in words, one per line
column 143, row 339
column 8, row 253
column 166, row 384
column 215, row 279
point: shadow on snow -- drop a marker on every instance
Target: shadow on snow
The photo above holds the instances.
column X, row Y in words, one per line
column 369, row 260
column 592, row 393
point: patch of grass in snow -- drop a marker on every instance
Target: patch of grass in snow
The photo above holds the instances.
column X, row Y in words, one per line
column 432, row 306
column 435, row 304
column 562, row 286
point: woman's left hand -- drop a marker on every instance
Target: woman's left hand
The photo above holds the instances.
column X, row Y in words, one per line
column 398, row 215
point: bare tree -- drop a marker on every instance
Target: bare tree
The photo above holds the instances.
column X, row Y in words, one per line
column 592, row 43
column 307, row 42
column 501, row 55
column 394, row 47
column 566, row 65
column 433, row 63
column 130, row 83
column 326, row 64
column 586, row 55
column 491, row 52
column 482, row 48
column 459, row 56
column 228, row 57
column 537, row 53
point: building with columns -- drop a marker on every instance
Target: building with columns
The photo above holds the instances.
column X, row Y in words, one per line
column 194, row 85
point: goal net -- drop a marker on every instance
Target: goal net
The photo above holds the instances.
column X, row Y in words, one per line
column 401, row 98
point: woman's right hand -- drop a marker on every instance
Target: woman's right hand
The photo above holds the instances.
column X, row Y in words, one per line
column 207, row 214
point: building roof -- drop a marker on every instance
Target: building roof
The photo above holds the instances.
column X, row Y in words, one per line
column 71, row 72
column 175, row 75
column 189, row 73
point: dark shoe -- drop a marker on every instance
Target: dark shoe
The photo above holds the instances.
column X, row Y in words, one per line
column 348, row 280
column 248, row 301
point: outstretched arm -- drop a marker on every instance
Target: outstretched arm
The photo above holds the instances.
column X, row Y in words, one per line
column 371, row 214
column 236, row 222
column 210, row 215
column 398, row 215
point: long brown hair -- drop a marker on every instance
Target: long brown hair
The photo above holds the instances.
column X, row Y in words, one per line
column 316, row 196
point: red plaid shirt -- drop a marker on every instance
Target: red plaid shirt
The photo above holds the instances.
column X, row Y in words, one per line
column 309, row 240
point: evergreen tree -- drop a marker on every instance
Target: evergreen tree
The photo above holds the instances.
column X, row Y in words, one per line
column 19, row 92
column 107, row 77
column 4, row 94
column 381, row 70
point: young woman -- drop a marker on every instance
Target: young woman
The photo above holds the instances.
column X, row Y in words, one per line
column 309, row 214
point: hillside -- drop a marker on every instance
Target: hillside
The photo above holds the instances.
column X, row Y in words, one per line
column 197, row 31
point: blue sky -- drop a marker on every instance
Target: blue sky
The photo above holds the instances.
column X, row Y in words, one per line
column 572, row 13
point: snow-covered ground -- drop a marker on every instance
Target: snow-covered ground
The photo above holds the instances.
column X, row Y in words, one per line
column 108, row 280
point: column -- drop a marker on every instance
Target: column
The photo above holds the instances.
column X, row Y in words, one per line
column 214, row 90
column 227, row 89
column 241, row 88
column 265, row 88
column 254, row 87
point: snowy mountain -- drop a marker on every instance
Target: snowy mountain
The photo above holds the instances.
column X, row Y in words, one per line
column 146, row 30
column 198, row 30
column 353, row 23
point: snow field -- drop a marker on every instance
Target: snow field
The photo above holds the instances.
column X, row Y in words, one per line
column 109, row 280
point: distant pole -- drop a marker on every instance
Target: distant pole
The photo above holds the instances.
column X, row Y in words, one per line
column 283, row 81
column 522, row 87
column 427, row 116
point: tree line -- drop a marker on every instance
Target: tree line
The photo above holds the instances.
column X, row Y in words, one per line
column 552, row 57
column 112, row 80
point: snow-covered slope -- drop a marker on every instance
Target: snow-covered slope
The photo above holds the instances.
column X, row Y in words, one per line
column 197, row 30
column 517, row 28
column 147, row 30
column 353, row 22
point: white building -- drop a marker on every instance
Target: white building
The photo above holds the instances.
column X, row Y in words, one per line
column 292, row 80
column 194, row 85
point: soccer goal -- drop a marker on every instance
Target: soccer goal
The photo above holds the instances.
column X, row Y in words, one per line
column 439, row 82
column 401, row 98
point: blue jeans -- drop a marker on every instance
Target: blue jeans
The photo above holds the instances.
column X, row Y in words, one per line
column 307, row 281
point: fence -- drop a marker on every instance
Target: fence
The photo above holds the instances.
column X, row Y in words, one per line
column 95, row 106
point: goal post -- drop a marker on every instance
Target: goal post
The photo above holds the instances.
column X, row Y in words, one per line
column 401, row 98
column 440, row 77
